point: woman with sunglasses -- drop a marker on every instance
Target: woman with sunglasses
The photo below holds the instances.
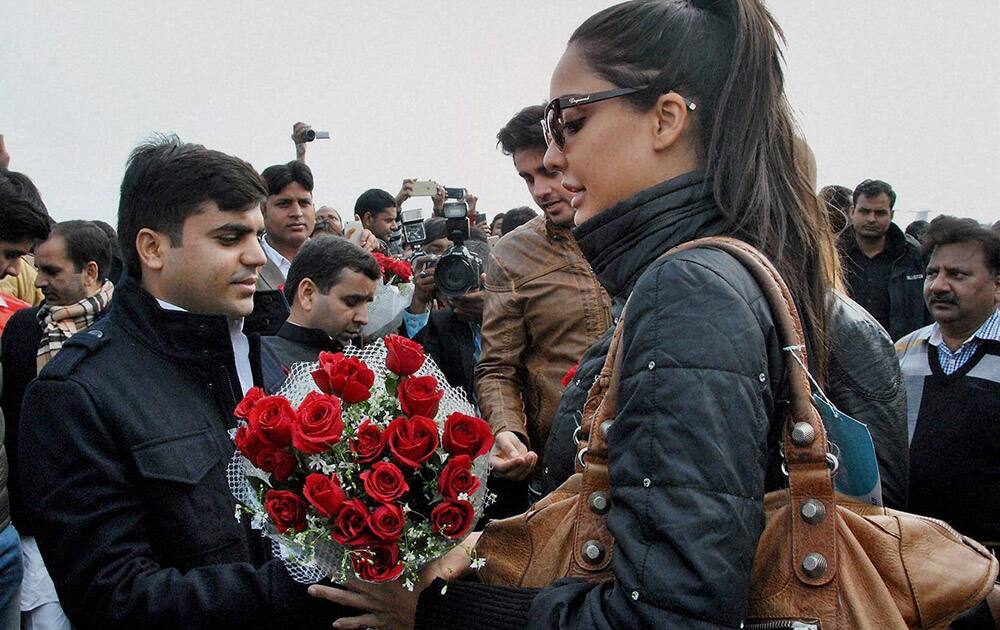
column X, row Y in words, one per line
column 668, row 122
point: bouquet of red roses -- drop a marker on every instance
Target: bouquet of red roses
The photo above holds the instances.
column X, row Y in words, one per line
column 366, row 462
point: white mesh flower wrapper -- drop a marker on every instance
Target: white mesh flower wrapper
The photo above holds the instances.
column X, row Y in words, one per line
column 385, row 313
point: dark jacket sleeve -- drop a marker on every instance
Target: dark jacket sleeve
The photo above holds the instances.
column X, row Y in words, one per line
column 95, row 543
column 687, row 455
column 866, row 384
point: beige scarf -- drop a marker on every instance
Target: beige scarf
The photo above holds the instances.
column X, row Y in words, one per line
column 59, row 323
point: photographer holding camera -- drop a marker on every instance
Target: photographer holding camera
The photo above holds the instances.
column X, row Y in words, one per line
column 303, row 134
column 449, row 271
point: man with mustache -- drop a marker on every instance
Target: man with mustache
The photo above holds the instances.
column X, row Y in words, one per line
column 330, row 284
column 952, row 374
column 884, row 272
column 544, row 308
column 125, row 434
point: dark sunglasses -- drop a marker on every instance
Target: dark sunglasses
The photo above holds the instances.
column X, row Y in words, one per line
column 552, row 120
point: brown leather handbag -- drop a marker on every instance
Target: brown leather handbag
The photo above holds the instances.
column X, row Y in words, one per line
column 823, row 561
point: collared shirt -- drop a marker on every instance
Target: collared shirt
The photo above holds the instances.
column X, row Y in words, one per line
column 282, row 263
column 869, row 283
column 950, row 361
column 415, row 322
column 241, row 346
column 297, row 344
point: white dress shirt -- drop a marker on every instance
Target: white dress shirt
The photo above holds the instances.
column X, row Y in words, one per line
column 280, row 261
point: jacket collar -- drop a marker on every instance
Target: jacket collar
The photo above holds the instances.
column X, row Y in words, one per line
column 312, row 337
column 895, row 242
column 557, row 232
column 622, row 241
column 178, row 335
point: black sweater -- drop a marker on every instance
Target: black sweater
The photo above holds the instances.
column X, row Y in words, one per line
column 955, row 450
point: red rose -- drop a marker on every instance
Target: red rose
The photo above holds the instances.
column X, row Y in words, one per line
column 324, row 493
column 402, row 269
column 280, row 462
column 286, row 510
column 387, row 522
column 384, row 482
column 412, row 441
column 318, row 423
column 570, row 373
column 420, row 396
column 403, row 356
column 350, row 528
column 452, row 519
column 466, row 435
column 347, row 377
column 377, row 563
column 456, row 477
column 243, row 409
column 384, row 263
column 369, row 444
column 273, row 416
column 249, row 442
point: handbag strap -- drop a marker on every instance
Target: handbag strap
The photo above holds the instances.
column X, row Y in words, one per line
column 804, row 443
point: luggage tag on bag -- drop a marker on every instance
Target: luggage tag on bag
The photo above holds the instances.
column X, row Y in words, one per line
column 857, row 475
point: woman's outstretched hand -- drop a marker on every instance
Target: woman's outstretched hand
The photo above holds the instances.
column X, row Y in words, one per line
column 391, row 606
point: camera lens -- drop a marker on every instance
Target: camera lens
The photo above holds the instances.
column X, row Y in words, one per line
column 457, row 274
column 308, row 135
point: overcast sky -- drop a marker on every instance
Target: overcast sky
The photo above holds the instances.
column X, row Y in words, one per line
column 902, row 90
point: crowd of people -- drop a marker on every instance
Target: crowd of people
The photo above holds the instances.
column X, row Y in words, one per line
column 125, row 352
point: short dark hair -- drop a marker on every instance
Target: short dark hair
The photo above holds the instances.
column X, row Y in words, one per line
column 322, row 259
column 946, row 230
column 523, row 131
column 874, row 188
column 167, row 180
column 281, row 175
column 373, row 201
column 435, row 228
column 917, row 228
column 22, row 213
column 116, row 251
column 515, row 218
column 85, row 242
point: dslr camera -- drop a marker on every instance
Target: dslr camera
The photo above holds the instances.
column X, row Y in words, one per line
column 458, row 269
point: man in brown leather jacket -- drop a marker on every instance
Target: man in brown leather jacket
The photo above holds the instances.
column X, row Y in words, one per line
column 544, row 308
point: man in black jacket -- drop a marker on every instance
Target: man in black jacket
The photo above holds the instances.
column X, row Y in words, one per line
column 125, row 436
column 885, row 273
column 330, row 284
